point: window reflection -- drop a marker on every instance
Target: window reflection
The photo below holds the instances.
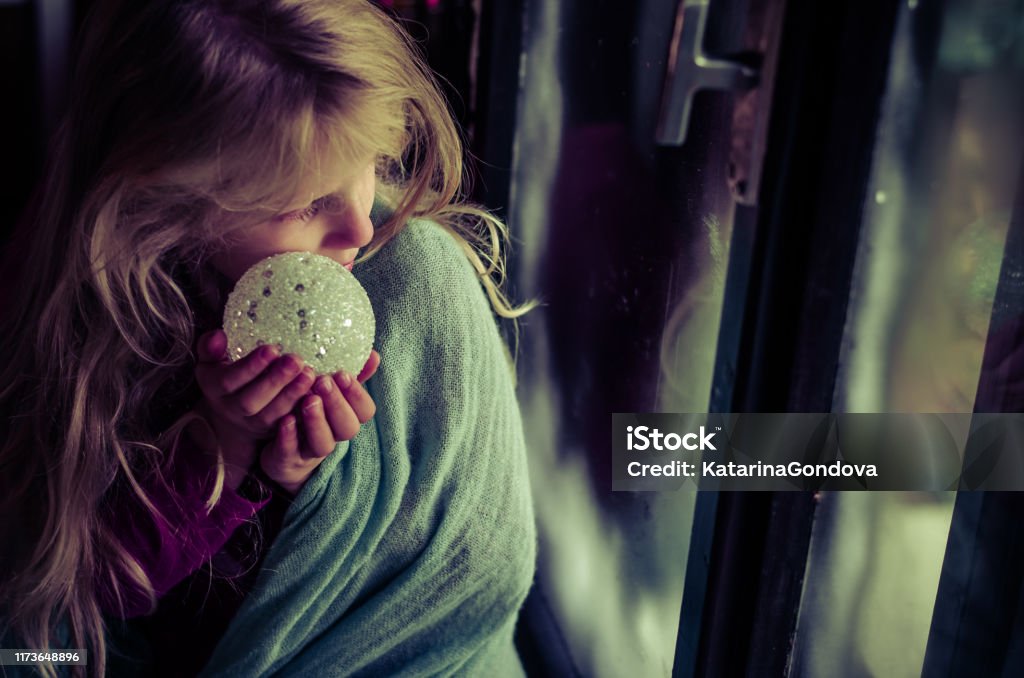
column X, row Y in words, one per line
column 941, row 336
column 627, row 244
column 946, row 168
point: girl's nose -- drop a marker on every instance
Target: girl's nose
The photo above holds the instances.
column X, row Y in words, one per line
column 348, row 228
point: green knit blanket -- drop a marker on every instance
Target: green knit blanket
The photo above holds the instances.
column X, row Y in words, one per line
column 411, row 551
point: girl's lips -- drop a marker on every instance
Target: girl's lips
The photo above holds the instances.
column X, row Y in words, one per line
column 349, row 265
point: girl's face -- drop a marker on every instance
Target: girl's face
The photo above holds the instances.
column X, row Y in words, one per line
column 330, row 216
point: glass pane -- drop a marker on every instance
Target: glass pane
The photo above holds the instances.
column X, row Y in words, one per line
column 626, row 242
column 873, row 571
column 946, row 166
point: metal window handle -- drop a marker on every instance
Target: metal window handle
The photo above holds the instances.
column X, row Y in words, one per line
column 691, row 70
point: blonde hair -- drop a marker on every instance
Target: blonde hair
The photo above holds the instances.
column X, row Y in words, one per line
column 184, row 117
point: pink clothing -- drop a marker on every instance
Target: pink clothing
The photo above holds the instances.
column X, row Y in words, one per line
column 168, row 553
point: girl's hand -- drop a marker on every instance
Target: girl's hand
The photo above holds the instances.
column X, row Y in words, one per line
column 335, row 410
column 244, row 400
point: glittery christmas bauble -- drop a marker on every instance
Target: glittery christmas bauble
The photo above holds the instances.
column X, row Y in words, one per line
column 307, row 304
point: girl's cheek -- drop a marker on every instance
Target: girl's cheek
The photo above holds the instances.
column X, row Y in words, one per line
column 371, row 187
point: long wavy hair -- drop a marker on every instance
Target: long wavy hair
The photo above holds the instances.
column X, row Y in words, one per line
column 187, row 120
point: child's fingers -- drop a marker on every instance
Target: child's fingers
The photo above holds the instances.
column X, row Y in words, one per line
column 285, row 447
column 218, row 379
column 360, row 401
column 372, row 363
column 342, row 420
column 262, row 390
column 212, row 347
column 286, row 399
column 320, row 440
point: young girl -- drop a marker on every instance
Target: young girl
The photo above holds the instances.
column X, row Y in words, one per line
column 363, row 525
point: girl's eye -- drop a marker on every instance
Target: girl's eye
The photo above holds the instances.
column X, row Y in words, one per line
column 309, row 212
column 303, row 215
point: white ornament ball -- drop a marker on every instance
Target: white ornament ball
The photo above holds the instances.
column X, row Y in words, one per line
column 308, row 305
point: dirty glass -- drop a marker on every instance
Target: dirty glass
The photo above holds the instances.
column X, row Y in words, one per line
column 626, row 243
column 945, row 170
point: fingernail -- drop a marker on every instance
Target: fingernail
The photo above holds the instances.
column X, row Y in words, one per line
column 346, row 379
column 294, row 363
column 308, row 373
column 324, row 385
column 312, row 404
column 270, row 352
